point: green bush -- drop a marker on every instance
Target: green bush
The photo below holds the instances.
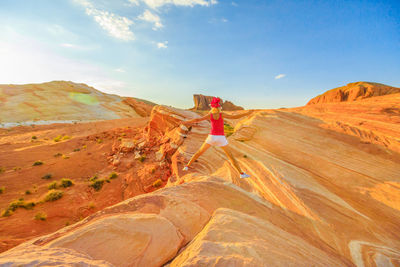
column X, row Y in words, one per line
column 113, row 175
column 52, row 185
column 37, row 163
column 40, row 216
column 28, row 192
column 66, row 182
column 20, row 204
column 2, row 189
column 53, row 195
column 57, row 139
column 77, row 149
column 97, row 184
column 47, row 176
column 34, row 137
column 157, row 183
column 228, row 129
column 6, row 213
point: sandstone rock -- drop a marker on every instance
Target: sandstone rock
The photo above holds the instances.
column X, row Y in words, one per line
column 142, row 107
column 354, row 91
column 75, row 102
column 136, row 240
column 202, row 102
column 233, row 238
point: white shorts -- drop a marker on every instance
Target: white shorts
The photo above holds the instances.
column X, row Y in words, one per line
column 216, row 140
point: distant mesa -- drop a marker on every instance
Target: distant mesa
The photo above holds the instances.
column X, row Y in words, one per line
column 353, row 92
column 202, row 102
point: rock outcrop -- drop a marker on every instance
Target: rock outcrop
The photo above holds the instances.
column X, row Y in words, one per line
column 202, row 102
column 316, row 197
column 62, row 101
column 353, row 92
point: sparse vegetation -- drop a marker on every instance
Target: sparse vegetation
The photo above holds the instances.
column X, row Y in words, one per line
column 47, row 176
column 67, row 223
column 28, row 192
column 20, row 203
column 84, row 146
column 65, row 157
column 91, row 205
column 2, row 169
column 6, row 213
column 2, row 189
column 37, row 163
column 245, row 156
column 57, row 155
column 113, row 175
column 61, row 137
column 52, row 185
column 16, row 169
column 153, row 170
column 66, row 182
column 142, row 158
column 77, row 149
column 99, row 141
column 41, row 216
column 34, row 137
column 53, row 195
column 97, row 184
column 228, row 129
column 157, row 183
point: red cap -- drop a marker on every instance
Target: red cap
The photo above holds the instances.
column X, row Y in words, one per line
column 215, row 102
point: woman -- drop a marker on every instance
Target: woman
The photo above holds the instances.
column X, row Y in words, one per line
column 217, row 135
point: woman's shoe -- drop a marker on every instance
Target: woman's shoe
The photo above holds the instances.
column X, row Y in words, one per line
column 244, row 175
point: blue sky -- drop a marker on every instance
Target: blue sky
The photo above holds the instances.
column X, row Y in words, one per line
column 258, row 54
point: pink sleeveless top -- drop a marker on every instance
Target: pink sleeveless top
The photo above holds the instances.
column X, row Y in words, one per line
column 217, row 126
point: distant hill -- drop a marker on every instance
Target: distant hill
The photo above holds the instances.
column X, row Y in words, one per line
column 65, row 101
column 353, row 92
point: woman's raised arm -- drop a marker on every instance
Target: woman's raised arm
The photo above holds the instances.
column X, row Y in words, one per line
column 228, row 116
column 189, row 122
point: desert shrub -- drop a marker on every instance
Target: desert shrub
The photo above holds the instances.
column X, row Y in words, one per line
column 6, row 213
column 2, row 189
column 47, row 176
column 113, row 175
column 66, row 137
column 228, row 129
column 67, row 223
column 157, row 183
column 97, row 184
column 93, row 178
column 34, row 137
column 91, row 205
column 57, row 139
column 153, row 170
column 53, row 195
column 66, row 182
column 99, row 141
column 28, row 192
column 142, row 158
column 58, row 155
column 245, row 156
column 52, row 185
column 20, row 204
column 65, row 157
column 84, row 146
column 40, row 216
column 16, row 169
column 77, row 149
column 2, row 169
column 37, row 163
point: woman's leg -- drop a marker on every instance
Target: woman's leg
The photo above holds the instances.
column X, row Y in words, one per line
column 199, row 152
column 232, row 158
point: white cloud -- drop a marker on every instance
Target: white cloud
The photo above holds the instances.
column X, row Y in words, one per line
column 116, row 26
column 234, row 4
column 224, row 20
column 280, row 76
column 162, row 44
column 151, row 17
column 158, row 3
column 120, row 70
column 134, row 2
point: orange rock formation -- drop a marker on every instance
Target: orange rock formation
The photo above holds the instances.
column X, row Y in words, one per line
column 316, row 196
